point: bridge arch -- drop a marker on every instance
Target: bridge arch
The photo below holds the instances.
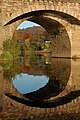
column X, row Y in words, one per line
column 23, row 7
column 58, row 14
column 65, row 12
column 55, row 27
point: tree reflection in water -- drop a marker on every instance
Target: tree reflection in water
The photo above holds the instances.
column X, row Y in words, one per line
column 58, row 71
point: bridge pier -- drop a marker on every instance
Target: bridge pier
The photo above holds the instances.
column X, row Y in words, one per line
column 75, row 38
column 1, row 32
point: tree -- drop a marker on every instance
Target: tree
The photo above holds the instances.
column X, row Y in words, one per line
column 26, row 36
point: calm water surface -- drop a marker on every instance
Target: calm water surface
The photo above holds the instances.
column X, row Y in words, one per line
column 40, row 81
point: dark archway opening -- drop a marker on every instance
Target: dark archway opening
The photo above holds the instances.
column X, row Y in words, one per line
column 57, row 33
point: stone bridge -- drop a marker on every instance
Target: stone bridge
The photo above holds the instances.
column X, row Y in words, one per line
column 60, row 18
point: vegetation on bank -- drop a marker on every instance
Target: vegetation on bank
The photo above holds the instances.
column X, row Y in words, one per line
column 75, row 57
column 6, row 56
column 24, row 43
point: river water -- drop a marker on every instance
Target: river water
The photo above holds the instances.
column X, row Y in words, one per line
column 40, row 87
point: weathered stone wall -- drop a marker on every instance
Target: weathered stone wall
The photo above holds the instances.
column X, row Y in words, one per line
column 75, row 33
column 14, row 8
column 1, row 29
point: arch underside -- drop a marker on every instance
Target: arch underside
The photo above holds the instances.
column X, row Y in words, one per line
column 65, row 16
column 57, row 32
column 57, row 35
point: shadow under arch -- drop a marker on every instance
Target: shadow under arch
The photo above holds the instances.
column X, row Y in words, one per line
column 65, row 16
column 56, row 31
column 47, row 104
column 57, row 35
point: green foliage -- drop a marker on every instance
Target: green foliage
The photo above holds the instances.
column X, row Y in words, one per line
column 47, row 45
column 6, row 45
column 33, row 45
column 12, row 47
column 6, row 64
column 6, row 56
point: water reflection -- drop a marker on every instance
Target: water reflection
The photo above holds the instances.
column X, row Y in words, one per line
column 58, row 74
column 38, row 81
column 25, row 83
column 47, row 104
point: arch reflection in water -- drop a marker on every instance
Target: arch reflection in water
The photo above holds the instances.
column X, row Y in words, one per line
column 47, row 104
column 57, row 73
